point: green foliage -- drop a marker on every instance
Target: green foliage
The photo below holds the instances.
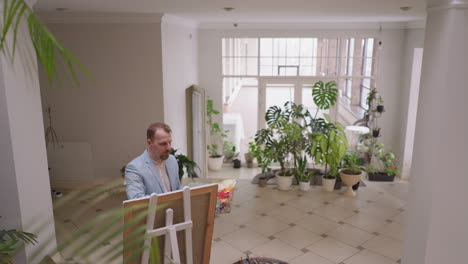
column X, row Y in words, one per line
column 324, row 95
column 230, row 151
column 390, row 162
column 351, row 164
column 186, row 163
column 263, row 155
column 328, row 147
column 216, row 133
column 301, row 166
column 46, row 45
column 11, row 241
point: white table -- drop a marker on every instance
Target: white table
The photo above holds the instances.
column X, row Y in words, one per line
column 353, row 133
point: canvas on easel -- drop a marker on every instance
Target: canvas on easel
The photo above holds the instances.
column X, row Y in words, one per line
column 203, row 203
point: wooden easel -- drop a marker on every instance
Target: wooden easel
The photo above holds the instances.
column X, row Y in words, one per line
column 196, row 204
column 171, row 246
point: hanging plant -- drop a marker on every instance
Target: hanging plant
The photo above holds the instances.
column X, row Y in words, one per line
column 45, row 44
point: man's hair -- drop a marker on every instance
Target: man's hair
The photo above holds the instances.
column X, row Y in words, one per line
column 155, row 126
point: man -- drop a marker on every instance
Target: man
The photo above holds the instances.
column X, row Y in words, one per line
column 154, row 171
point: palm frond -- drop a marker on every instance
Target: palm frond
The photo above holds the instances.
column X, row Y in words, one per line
column 46, row 45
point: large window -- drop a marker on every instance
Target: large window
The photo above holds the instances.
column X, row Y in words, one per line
column 351, row 61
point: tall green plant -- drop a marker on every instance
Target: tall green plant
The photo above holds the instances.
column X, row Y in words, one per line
column 216, row 133
column 328, row 147
column 46, row 45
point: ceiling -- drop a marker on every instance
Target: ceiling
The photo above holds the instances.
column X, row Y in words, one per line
column 253, row 11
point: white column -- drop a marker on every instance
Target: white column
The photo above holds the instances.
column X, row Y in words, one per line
column 24, row 180
column 436, row 228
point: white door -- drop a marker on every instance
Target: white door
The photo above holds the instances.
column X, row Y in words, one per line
column 277, row 91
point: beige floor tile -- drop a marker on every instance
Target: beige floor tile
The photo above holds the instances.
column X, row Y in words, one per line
column 400, row 218
column 368, row 257
column 366, row 222
column 317, row 224
column 244, row 239
column 223, row 227
column 287, row 214
column 379, row 211
column 260, row 205
column 240, row 216
column 276, row 249
column 334, row 213
column 242, row 197
column 223, row 253
column 305, row 203
column 298, row 237
column 267, row 226
column 385, row 246
column 309, row 258
column 320, row 195
column 394, row 230
column 333, row 249
column 390, row 201
column 349, row 202
column 278, row 196
column 350, row 235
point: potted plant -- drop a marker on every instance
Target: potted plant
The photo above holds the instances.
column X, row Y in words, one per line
column 215, row 157
column 249, row 157
column 283, row 136
column 351, row 173
column 301, row 173
column 328, row 148
column 376, row 132
column 186, row 163
column 230, row 152
column 389, row 170
column 380, row 107
column 264, row 158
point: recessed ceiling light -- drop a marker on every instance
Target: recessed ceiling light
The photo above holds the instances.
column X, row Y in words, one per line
column 405, row 8
column 61, row 9
column 228, row 9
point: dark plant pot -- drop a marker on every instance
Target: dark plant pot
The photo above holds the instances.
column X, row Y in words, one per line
column 237, row 163
column 249, row 164
column 356, row 186
column 375, row 133
column 381, row 176
column 262, row 182
column 316, row 178
column 338, row 183
column 380, row 108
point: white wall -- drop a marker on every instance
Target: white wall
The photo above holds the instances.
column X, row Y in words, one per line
column 180, row 71
column 414, row 38
column 24, row 190
column 391, row 60
column 108, row 116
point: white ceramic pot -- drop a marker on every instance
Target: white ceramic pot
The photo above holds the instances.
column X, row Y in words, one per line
column 215, row 164
column 328, row 184
column 284, row 182
column 304, row 186
column 349, row 180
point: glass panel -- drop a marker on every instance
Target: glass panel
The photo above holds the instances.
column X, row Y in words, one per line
column 279, row 94
column 307, row 47
column 266, row 47
column 252, row 67
column 308, row 101
column 292, row 47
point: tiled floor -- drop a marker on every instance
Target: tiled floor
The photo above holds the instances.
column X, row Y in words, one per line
column 298, row 227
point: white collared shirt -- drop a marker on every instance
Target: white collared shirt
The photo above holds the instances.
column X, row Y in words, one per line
column 163, row 173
